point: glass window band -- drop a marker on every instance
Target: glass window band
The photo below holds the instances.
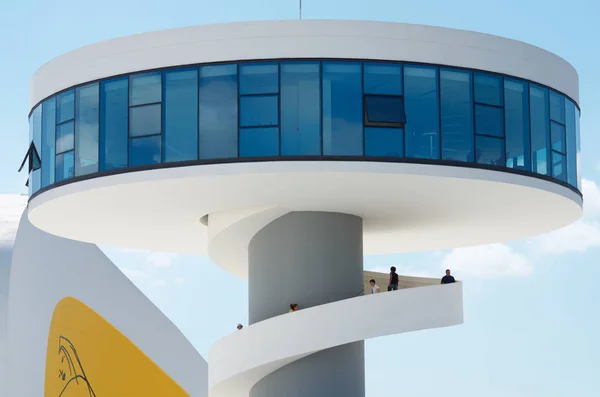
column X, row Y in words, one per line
column 313, row 108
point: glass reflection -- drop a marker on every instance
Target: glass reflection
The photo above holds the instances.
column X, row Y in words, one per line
column 86, row 129
column 310, row 108
column 180, row 107
column 385, row 142
column 48, row 141
column 114, row 123
column 259, row 78
column 259, row 111
column 65, row 106
column 65, row 137
column 488, row 89
column 489, row 150
column 144, row 151
column 65, row 166
column 540, row 129
column 218, row 112
column 457, row 115
column 342, row 108
column 383, row 79
column 259, row 142
column 571, row 143
column 145, row 120
column 516, row 117
column 422, row 116
column 300, row 109
column 145, row 88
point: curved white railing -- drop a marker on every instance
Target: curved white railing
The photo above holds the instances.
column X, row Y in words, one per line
column 238, row 361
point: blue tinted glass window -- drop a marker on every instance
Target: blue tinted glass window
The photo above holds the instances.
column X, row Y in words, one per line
column 557, row 107
column 113, row 123
column 489, row 120
column 382, row 78
column 144, row 151
column 578, row 145
column 558, row 134
column 259, row 142
column 540, row 129
column 87, row 103
column 559, row 166
column 145, row 88
column 145, row 120
column 30, row 185
column 488, row 89
column 457, row 115
column 300, row 109
column 422, row 116
column 259, row 111
column 65, row 106
column 571, row 143
column 259, row 78
column 65, row 137
column 180, row 106
column 387, row 142
column 48, row 141
column 65, row 166
column 218, row 112
column 35, row 179
column 386, row 110
column 516, row 116
column 342, row 108
column 489, row 150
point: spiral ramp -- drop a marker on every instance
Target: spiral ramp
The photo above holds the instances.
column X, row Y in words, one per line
column 242, row 359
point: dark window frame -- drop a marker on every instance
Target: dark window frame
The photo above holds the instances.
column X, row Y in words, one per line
column 384, row 124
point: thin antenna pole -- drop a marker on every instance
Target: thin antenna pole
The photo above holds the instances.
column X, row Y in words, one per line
column 300, row 9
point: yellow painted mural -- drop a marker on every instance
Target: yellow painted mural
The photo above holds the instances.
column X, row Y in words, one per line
column 88, row 357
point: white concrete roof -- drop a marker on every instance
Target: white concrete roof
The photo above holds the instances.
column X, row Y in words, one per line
column 405, row 207
column 304, row 39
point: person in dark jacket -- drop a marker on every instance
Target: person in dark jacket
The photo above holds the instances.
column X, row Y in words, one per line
column 448, row 279
column 393, row 281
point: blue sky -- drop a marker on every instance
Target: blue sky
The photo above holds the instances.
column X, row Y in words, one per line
column 531, row 307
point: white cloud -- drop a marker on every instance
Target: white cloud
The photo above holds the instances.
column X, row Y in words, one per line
column 135, row 275
column 591, row 198
column 582, row 234
column 492, row 260
column 145, row 268
column 11, row 209
column 577, row 237
column 160, row 259
column 159, row 283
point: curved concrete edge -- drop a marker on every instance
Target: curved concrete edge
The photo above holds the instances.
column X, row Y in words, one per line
column 238, row 361
column 440, row 213
column 287, row 39
column 238, row 228
column 45, row 269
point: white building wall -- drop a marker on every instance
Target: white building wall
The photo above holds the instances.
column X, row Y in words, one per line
column 46, row 269
column 5, row 257
column 304, row 39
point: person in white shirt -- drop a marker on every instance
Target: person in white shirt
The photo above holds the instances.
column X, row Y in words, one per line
column 374, row 287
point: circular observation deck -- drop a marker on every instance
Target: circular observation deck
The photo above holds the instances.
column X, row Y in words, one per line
column 192, row 139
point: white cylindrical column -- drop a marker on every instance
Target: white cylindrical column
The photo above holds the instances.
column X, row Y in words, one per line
column 308, row 258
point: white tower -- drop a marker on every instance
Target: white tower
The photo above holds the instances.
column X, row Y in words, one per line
column 287, row 150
